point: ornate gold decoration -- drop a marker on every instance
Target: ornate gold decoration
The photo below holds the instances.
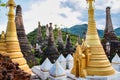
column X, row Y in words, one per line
column 2, row 44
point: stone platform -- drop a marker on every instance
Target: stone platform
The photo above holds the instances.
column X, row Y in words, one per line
column 112, row 77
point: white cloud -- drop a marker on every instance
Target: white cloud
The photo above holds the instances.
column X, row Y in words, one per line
column 48, row 11
column 100, row 24
column 114, row 4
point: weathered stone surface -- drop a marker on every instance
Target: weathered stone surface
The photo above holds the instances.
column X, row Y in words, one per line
column 11, row 71
column 68, row 48
column 24, row 44
column 60, row 42
column 109, row 31
column 110, row 36
column 39, row 35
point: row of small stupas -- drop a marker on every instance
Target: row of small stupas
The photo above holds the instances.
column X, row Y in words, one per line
column 52, row 51
column 56, row 70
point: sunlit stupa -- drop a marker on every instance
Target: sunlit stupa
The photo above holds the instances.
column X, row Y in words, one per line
column 91, row 59
column 12, row 44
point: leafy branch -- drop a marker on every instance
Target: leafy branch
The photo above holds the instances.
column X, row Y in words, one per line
column 2, row 4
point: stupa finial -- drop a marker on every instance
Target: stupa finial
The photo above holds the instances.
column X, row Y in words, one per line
column 11, row 3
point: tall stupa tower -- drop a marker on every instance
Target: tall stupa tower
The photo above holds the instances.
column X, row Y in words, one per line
column 109, row 26
column 12, row 44
column 99, row 64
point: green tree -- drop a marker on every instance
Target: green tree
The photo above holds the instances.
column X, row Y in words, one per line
column 2, row 4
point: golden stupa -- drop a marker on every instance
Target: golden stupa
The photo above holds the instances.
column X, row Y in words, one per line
column 90, row 58
column 12, row 44
column 2, row 44
column 99, row 64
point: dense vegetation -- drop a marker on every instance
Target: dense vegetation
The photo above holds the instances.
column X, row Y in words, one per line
column 32, row 36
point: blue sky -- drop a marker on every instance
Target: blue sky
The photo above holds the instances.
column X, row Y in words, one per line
column 64, row 13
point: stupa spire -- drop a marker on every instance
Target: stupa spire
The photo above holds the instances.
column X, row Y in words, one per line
column 109, row 26
column 99, row 64
column 47, row 32
column 68, row 47
column 39, row 34
column 109, row 31
column 51, row 51
column 24, row 44
column 60, row 42
column 12, row 44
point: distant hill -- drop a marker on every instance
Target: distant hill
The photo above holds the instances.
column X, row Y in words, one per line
column 32, row 36
column 117, row 31
column 74, row 32
column 80, row 29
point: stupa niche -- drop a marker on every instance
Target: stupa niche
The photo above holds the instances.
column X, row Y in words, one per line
column 99, row 64
column 24, row 44
column 51, row 51
column 2, row 44
column 12, row 44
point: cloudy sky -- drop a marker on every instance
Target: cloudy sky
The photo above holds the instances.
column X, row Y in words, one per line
column 64, row 13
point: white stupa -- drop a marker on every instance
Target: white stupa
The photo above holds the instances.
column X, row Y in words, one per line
column 116, row 62
column 57, row 72
column 69, row 61
column 46, row 65
column 61, row 59
column 43, row 70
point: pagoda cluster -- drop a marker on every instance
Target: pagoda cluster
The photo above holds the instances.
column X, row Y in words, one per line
column 49, row 47
column 55, row 71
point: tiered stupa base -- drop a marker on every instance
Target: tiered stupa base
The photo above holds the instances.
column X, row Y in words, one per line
column 17, row 57
column 113, row 77
column 58, row 78
column 41, row 74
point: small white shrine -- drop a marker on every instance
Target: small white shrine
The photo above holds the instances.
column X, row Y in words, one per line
column 61, row 59
column 43, row 70
column 57, row 72
column 116, row 62
column 69, row 61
